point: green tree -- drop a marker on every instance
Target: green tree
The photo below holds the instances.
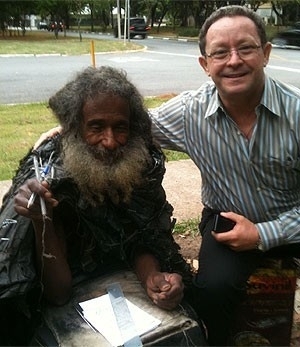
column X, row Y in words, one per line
column 287, row 11
column 56, row 10
column 101, row 12
column 14, row 14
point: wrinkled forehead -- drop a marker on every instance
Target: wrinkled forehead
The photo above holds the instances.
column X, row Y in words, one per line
column 107, row 103
column 237, row 28
column 234, row 23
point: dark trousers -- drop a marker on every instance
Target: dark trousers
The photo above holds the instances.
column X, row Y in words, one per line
column 220, row 284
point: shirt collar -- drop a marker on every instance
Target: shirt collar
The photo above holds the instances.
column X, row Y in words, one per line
column 267, row 100
column 214, row 103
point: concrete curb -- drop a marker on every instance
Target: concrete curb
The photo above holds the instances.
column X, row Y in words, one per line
column 157, row 37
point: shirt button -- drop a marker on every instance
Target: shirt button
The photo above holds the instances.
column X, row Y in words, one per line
column 258, row 189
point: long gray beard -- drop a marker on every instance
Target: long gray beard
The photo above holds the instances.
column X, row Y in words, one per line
column 101, row 173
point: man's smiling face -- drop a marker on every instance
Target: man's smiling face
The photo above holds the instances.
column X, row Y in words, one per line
column 235, row 76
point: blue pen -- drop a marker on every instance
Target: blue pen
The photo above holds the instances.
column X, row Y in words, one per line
column 46, row 171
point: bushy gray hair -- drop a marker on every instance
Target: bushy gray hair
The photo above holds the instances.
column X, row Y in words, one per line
column 232, row 11
column 67, row 104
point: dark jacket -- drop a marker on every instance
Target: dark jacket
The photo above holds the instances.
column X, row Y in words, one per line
column 98, row 238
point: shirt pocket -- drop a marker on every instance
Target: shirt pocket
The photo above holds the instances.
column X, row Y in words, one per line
column 282, row 174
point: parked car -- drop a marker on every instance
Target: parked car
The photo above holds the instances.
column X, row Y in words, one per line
column 296, row 25
column 137, row 26
column 42, row 26
column 288, row 38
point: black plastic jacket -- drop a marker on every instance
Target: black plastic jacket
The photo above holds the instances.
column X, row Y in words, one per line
column 98, row 237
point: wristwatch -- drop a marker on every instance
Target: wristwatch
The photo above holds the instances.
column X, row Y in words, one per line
column 258, row 244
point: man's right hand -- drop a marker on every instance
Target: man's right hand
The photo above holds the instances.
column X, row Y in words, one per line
column 243, row 236
column 33, row 211
column 48, row 134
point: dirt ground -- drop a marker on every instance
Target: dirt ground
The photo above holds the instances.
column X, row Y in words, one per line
column 182, row 183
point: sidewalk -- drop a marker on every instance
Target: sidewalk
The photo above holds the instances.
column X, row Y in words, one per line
column 4, row 186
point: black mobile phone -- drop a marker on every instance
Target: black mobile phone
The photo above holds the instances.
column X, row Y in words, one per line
column 222, row 224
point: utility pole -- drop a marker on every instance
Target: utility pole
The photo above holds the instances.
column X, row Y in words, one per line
column 118, row 19
column 128, row 16
column 125, row 23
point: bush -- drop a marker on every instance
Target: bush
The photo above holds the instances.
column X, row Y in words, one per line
column 188, row 31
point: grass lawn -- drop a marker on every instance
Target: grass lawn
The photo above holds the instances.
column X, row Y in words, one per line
column 44, row 42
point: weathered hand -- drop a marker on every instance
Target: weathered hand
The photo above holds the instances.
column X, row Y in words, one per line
column 33, row 211
column 48, row 134
column 244, row 236
column 165, row 289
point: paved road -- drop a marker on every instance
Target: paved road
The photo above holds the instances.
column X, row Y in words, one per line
column 163, row 66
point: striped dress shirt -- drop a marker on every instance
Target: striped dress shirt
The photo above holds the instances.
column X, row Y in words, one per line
column 257, row 178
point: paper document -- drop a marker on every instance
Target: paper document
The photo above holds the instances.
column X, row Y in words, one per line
column 99, row 313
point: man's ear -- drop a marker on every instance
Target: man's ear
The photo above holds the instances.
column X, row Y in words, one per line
column 267, row 50
column 203, row 63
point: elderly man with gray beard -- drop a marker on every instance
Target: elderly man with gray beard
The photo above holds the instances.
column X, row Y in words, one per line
column 104, row 204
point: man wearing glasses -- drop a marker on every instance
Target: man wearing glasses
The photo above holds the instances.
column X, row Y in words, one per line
column 242, row 130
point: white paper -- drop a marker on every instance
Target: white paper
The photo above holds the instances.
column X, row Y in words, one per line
column 99, row 313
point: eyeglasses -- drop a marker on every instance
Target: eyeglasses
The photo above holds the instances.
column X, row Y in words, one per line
column 223, row 55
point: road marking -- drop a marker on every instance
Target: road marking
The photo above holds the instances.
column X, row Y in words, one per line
column 131, row 59
column 174, row 54
column 283, row 68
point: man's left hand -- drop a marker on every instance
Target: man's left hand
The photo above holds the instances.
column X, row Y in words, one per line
column 165, row 289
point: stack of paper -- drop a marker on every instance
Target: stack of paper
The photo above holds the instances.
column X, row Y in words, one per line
column 99, row 313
